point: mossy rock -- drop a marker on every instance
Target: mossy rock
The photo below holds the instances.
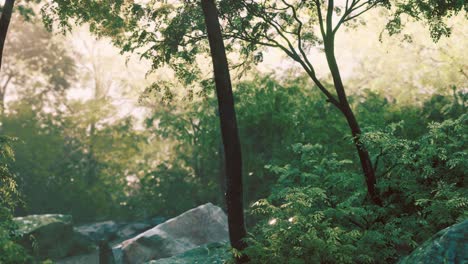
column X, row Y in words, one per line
column 46, row 236
column 448, row 246
column 30, row 223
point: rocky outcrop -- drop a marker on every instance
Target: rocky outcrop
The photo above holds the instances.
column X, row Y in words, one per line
column 202, row 225
column 49, row 236
column 449, row 246
column 52, row 236
column 214, row 253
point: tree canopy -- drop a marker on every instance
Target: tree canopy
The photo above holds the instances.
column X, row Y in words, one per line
column 353, row 150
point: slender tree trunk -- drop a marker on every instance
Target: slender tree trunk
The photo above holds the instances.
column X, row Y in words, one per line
column 364, row 156
column 345, row 108
column 4, row 23
column 222, row 169
column 229, row 131
column 92, row 172
column 3, row 91
column 2, row 104
column 105, row 253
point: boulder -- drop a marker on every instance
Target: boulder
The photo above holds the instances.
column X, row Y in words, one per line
column 81, row 244
column 213, row 253
column 156, row 220
column 449, row 246
column 131, row 229
column 106, row 230
column 46, row 236
column 202, row 225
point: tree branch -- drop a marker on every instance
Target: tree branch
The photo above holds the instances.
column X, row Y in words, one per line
column 4, row 23
column 348, row 11
column 289, row 49
column 376, row 162
column 330, row 17
column 360, row 13
column 320, row 18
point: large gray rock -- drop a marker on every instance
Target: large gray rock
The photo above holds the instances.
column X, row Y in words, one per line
column 448, row 246
column 213, row 253
column 46, row 236
column 156, row 220
column 202, row 225
column 132, row 229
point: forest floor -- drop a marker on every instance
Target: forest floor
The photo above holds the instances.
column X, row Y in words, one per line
column 92, row 258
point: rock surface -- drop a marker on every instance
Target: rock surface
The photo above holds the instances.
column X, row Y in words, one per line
column 52, row 234
column 214, row 253
column 156, row 220
column 106, row 230
column 132, row 229
column 202, row 225
column 448, row 246
column 111, row 230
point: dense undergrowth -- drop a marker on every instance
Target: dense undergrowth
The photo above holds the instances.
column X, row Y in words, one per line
column 10, row 251
column 317, row 211
column 303, row 184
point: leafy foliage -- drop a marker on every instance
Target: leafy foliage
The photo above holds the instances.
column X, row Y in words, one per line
column 315, row 212
column 10, row 252
column 434, row 13
column 53, row 157
column 30, row 50
column 96, row 165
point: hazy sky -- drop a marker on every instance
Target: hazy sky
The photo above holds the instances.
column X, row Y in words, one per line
column 353, row 47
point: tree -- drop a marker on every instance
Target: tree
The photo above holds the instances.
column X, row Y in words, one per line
column 401, row 67
column 112, row 19
column 10, row 251
column 229, row 130
column 32, row 51
column 173, row 34
column 7, row 11
column 4, row 24
column 97, row 68
column 291, row 26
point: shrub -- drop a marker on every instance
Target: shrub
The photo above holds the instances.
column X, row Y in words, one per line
column 317, row 211
column 10, row 252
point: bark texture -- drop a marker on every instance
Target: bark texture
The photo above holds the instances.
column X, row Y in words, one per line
column 4, row 24
column 345, row 108
column 229, row 130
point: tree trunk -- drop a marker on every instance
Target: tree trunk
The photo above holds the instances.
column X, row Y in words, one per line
column 2, row 94
column 2, row 104
column 345, row 108
column 92, row 164
column 229, row 131
column 222, row 169
column 364, row 156
column 105, row 253
column 4, row 23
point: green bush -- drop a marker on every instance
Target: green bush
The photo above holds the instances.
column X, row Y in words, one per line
column 53, row 156
column 317, row 212
column 10, row 251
